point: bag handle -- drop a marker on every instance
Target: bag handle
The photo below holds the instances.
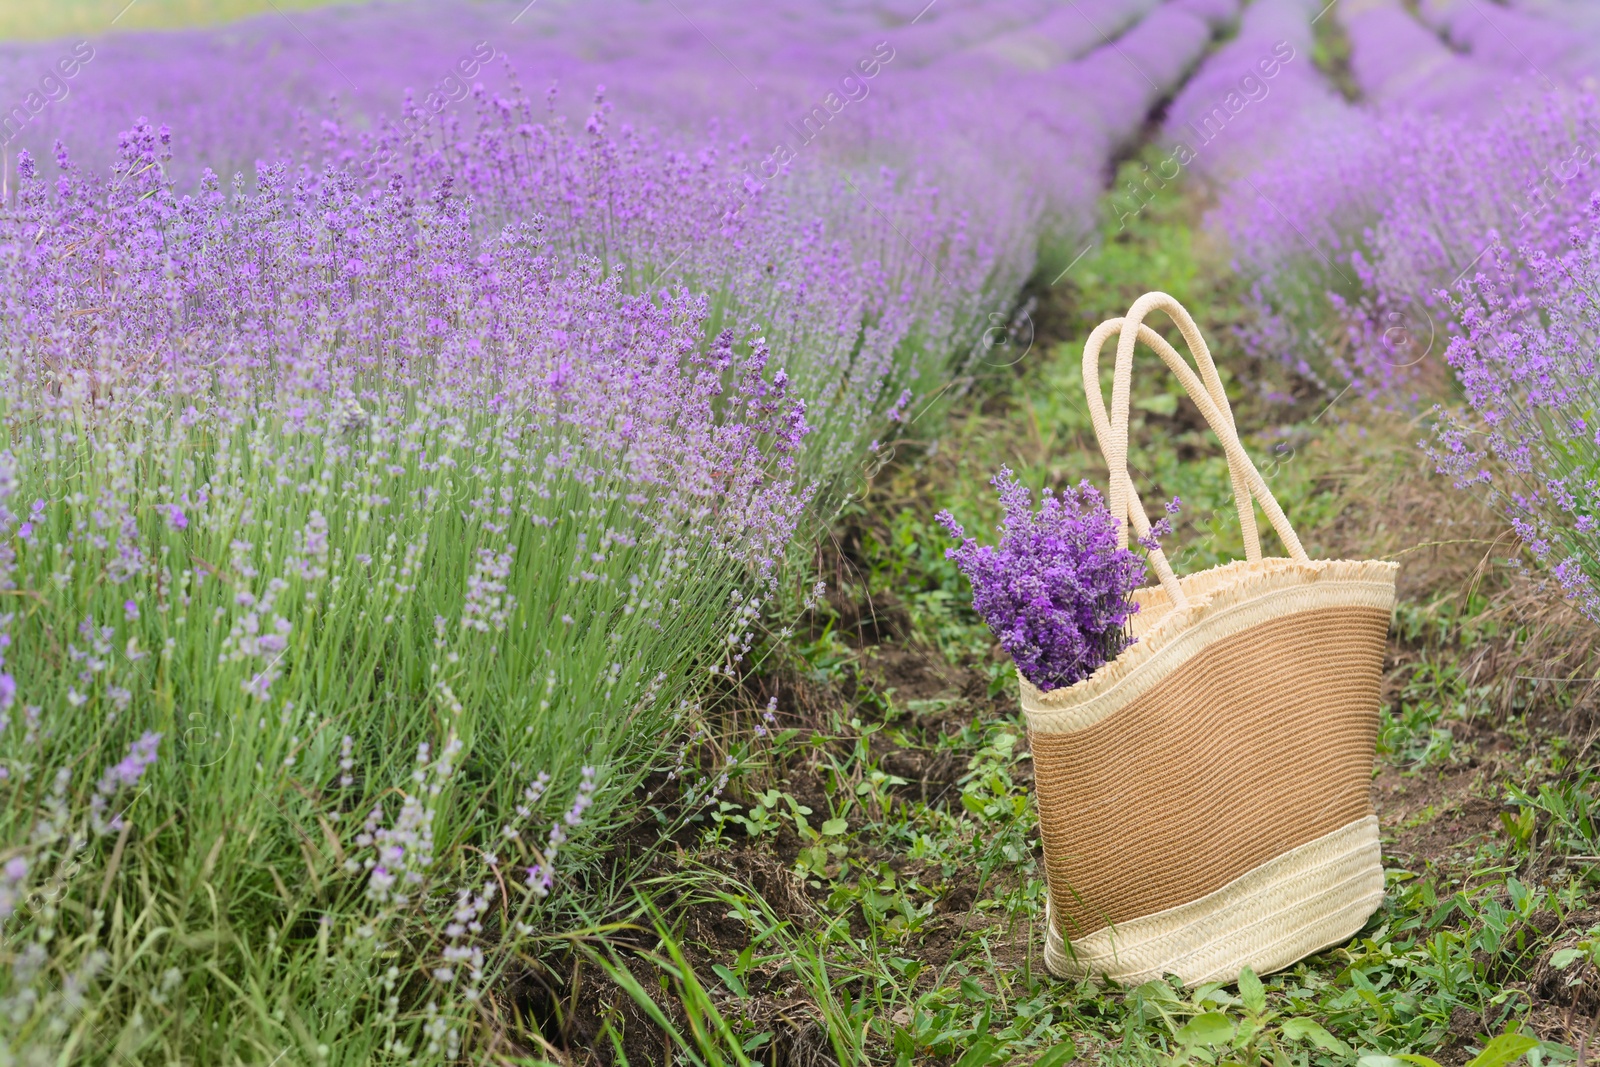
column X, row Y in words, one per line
column 1209, row 397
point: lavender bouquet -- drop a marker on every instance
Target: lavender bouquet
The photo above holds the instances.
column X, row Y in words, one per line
column 1056, row 590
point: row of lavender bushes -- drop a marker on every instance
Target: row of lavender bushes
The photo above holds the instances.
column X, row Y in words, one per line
column 333, row 524
column 382, row 494
column 365, row 530
column 1439, row 230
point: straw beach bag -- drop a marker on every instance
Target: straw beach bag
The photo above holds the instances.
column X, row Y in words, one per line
column 1204, row 798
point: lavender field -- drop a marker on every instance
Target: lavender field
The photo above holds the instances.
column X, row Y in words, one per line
column 476, row 477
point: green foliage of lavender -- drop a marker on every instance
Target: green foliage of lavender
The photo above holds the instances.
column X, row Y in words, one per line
column 360, row 559
column 317, row 620
column 358, row 644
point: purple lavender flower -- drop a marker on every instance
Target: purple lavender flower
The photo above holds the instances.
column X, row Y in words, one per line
column 1162, row 527
column 1528, row 365
column 769, row 718
column 541, row 879
column 584, row 798
column 125, row 774
column 1056, row 590
column 347, row 762
column 11, row 878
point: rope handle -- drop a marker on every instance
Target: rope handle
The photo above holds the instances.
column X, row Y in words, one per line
column 1209, row 396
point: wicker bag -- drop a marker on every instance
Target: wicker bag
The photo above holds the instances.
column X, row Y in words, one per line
column 1204, row 798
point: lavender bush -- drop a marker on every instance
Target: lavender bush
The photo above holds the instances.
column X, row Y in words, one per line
column 1453, row 172
column 1527, row 361
column 1056, row 589
column 1350, row 230
column 789, row 97
column 1349, row 294
column 1396, row 61
column 333, row 482
column 1249, row 94
column 1534, row 45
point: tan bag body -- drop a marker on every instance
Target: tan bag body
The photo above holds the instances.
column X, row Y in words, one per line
column 1204, row 798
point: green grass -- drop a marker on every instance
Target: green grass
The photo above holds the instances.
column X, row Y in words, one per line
column 899, row 801
column 44, row 19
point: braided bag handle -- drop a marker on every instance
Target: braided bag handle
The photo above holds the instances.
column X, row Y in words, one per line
column 1112, row 431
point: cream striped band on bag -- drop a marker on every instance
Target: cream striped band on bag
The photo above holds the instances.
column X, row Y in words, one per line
column 1318, row 894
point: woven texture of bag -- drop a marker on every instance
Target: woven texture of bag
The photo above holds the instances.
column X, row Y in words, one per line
column 1204, row 798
